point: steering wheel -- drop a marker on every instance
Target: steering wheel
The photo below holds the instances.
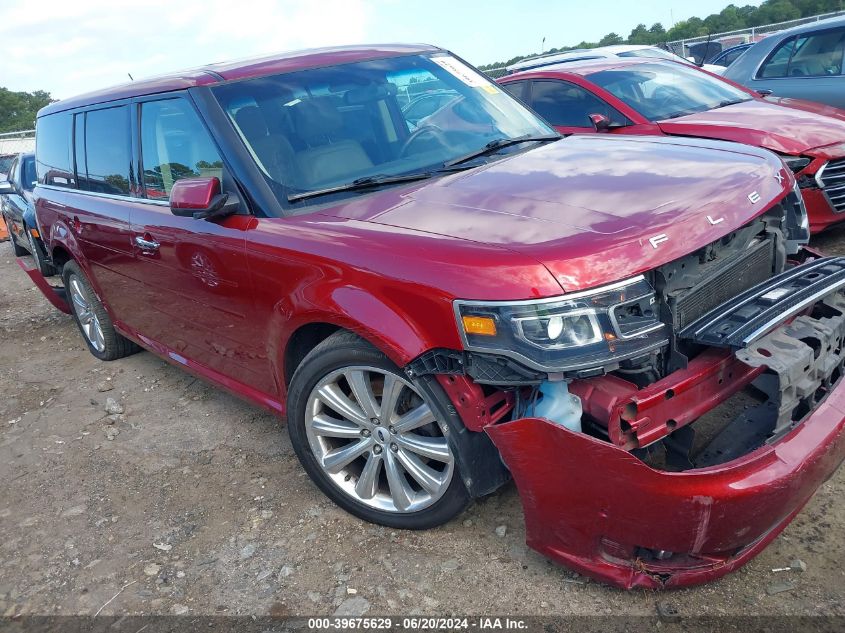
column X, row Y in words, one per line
column 431, row 131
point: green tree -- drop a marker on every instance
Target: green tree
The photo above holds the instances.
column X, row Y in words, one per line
column 18, row 109
column 640, row 35
column 611, row 39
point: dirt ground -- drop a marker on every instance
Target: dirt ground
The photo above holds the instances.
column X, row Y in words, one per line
column 193, row 502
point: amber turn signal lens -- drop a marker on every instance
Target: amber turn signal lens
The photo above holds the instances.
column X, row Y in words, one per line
column 485, row 326
column 34, row 233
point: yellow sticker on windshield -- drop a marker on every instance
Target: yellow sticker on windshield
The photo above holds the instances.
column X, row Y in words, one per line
column 491, row 89
column 460, row 70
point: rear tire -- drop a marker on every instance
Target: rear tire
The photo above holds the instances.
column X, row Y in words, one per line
column 44, row 267
column 406, row 474
column 91, row 317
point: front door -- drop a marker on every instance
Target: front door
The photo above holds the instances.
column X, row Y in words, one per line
column 193, row 273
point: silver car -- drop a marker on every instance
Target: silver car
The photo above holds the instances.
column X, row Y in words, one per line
column 805, row 62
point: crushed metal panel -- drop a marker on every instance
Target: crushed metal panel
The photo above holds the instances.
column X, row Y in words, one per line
column 804, row 356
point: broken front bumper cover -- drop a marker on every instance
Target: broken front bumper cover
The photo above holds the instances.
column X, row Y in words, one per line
column 595, row 507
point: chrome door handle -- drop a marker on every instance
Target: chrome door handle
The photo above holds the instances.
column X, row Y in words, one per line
column 150, row 246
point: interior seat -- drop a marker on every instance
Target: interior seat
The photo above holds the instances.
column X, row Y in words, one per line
column 329, row 157
column 274, row 151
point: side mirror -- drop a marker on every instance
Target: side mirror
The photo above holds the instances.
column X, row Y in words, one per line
column 201, row 199
column 600, row 122
column 764, row 92
column 6, row 188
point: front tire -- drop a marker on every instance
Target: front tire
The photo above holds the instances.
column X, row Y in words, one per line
column 369, row 439
column 91, row 317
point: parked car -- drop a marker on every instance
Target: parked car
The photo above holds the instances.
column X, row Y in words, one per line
column 18, row 212
column 728, row 57
column 5, row 163
column 435, row 309
column 804, row 62
column 602, row 52
column 664, row 98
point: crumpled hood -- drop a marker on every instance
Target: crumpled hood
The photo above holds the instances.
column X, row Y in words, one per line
column 788, row 126
column 593, row 209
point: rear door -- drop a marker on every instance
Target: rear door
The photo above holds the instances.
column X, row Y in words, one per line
column 84, row 159
column 194, row 276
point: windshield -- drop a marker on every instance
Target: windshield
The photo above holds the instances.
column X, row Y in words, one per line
column 328, row 127
column 666, row 91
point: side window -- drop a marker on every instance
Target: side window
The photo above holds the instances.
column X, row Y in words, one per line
column 516, row 89
column 174, row 145
column 778, row 61
column 819, row 55
column 567, row 105
column 814, row 55
column 107, row 151
column 52, row 154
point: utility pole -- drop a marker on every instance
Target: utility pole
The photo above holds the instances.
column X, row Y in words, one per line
column 543, row 45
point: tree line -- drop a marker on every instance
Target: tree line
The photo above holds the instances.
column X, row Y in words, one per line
column 18, row 109
column 730, row 18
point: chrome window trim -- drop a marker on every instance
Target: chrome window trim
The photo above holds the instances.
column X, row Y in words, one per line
column 108, row 196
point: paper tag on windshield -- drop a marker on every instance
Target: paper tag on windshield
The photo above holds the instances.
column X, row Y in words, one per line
column 461, row 71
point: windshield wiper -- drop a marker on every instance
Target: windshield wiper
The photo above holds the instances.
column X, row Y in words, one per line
column 729, row 102
column 360, row 183
column 498, row 144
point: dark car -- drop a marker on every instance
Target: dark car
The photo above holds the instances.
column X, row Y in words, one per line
column 18, row 211
column 730, row 55
column 804, row 62
column 435, row 309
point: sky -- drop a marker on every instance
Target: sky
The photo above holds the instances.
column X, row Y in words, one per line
column 68, row 47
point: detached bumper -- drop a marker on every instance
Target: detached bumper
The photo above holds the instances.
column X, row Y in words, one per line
column 597, row 508
column 54, row 295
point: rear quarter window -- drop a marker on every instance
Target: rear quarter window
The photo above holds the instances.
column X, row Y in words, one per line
column 53, row 150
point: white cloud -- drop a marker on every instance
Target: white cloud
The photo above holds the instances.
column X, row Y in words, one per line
column 68, row 48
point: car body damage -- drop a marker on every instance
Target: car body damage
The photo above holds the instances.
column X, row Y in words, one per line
column 612, row 511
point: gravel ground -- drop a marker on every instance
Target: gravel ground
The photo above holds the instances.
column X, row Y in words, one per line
column 192, row 501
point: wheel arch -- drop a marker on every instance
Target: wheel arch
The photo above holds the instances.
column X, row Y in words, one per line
column 387, row 327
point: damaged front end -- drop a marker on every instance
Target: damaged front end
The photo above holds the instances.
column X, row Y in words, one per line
column 709, row 406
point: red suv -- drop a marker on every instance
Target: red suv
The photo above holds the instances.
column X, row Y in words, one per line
column 440, row 304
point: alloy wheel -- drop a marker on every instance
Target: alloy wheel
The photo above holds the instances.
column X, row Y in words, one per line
column 87, row 317
column 378, row 440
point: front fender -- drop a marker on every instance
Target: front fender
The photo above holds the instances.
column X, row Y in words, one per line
column 402, row 330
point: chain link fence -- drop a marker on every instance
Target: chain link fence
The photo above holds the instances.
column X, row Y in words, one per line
column 16, row 142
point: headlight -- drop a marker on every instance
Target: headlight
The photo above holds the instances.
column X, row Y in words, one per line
column 573, row 332
column 795, row 163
